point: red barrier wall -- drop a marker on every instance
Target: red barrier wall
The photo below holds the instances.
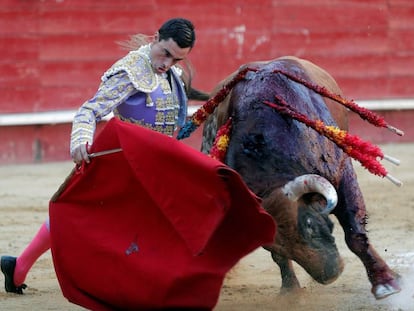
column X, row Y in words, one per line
column 54, row 52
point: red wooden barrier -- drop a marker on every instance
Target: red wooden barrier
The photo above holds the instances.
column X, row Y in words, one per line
column 54, row 52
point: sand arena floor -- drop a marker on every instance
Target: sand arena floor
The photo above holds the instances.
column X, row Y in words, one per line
column 254, row 283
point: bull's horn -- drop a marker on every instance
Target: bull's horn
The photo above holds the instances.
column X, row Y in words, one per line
column 312, row 183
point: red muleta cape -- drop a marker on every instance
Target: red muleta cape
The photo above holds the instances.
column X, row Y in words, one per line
column 155, row 226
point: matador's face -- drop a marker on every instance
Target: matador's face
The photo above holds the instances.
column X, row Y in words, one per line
column 166, row 53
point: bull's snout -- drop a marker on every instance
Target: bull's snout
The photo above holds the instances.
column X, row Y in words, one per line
column 328, row 270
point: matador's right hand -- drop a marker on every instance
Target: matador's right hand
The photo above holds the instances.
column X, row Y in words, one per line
column 81, row 153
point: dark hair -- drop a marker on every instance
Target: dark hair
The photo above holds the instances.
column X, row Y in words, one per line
column 180, row 30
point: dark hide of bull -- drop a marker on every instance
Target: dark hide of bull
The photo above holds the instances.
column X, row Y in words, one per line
column 269, row 150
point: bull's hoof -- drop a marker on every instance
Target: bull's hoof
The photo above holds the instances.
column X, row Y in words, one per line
column 382, row 291
column 293, row 291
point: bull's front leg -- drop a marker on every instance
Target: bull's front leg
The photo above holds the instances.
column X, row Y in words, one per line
column 289, row 280
column 351, row 214
column 385, row 282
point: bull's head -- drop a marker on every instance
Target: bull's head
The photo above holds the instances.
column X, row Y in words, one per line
column 301, row 208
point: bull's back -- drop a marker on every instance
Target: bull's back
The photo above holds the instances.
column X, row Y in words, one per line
column 322, row 78
column 315, row 74
column 264, row 141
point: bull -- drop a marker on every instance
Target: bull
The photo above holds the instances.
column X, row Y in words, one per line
column 301, row 176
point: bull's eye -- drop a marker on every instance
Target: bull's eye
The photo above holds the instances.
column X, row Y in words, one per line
column 309, row 225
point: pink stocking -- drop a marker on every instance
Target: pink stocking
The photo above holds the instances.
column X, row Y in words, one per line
column 39, row 245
